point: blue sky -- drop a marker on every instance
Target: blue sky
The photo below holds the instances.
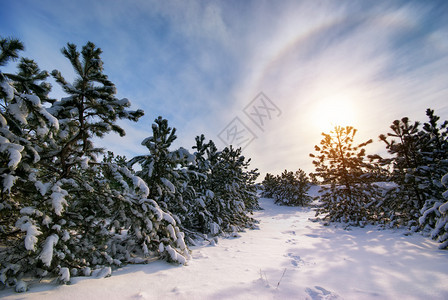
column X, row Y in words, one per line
column 203, row 64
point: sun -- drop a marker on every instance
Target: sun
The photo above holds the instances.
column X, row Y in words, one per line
column 334, row 111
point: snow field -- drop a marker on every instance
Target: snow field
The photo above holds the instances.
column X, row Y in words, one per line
column 288, row 257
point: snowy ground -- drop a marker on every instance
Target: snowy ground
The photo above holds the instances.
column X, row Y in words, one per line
column 289, row 257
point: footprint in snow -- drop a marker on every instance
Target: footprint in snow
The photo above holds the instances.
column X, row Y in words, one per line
column 296, row 260
column 140, row 295
column 312, row 235
column 319, row 293
column 292, row 232
column 292, row 241
column 316, row 236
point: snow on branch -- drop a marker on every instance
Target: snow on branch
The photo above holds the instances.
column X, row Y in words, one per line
column 46, row 256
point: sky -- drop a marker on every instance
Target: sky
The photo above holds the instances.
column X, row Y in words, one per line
column 266, row 76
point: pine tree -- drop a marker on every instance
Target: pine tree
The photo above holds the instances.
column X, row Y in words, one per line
column 289, row 188
column 434, row 156
column 300, row 187
column 414, row 152
column 205, row 217
column 31, row 80
column 141, row 227
column 270, row 184
column 435, row 217
column 249, row 188
column 405, row 201
column 9, row 50
column 232, row 188
column 160, row 170
column 435, row 160
column 67, row 212
column 346, row 195
column 26, row 126
column 208, row 193
column 90, row 110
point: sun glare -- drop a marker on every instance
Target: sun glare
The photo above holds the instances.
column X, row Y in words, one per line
column 331, row 112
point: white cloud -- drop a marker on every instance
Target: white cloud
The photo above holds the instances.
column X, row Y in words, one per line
column 198, row 64
column 346, row 57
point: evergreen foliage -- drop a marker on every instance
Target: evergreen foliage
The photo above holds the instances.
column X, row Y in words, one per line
column 210, row 192
column 166, row 172
column 435, row 159
column 289, row 188
column 419, row 160
column 90, row 110
column 234, row 188
column 412, row 193
column 65, row 213
column 26, row 129
column 9, row 50
column 31, row 80
column 405, row 201
column 206, row 217
column 346, row 195
column 435, row 217
column 270, row 183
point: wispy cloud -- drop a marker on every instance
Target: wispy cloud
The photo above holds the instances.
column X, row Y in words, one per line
column 200, row 63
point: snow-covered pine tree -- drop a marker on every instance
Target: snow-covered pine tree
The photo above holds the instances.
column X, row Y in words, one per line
column 178, row 180
column 205, row 217
column 249, row 187
column 207, row 192
column 164, row 172
column 435, row 154
column 67, row 212
column 137, row 225
column 346, row 196
column 230, row 185
column 93, row 204
column 270, row 183
column 90, row 110
column 31, row 80
column 435, row 217
column 435, row 160
column 405, row 201
column 74, row 234
column 208, row 215
column 285, row 193
column 292, row 189
column 302, row 185
column 26, row 127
